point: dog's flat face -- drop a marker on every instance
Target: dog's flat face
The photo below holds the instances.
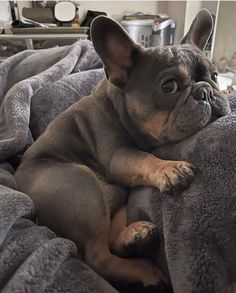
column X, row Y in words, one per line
column 169, row 92
column 172, row 92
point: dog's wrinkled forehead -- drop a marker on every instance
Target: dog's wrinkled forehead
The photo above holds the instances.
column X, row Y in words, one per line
column 119, row 53
column 186, row 58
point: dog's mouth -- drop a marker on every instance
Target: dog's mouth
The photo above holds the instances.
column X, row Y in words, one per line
column 189, row 116
column 195, row 113
column 209, row 94
column 219, row 106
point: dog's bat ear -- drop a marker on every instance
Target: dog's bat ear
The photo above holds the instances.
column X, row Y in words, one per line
column 115, row 47
column 200, row 30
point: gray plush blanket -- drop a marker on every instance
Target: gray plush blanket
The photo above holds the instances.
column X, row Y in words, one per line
column 34, row 87
column 197, row 228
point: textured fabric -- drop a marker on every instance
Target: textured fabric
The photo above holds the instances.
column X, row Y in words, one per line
column 41, row 84
column 33, row 259
column 63, row 92
column 35, row 76
column 198, row 226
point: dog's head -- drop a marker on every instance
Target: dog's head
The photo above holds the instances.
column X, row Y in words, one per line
column 168, row 92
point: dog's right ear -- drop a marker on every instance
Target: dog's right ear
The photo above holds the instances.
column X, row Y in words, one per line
column 115, row 48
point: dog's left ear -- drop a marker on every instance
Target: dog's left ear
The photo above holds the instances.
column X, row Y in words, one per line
column 200, row 30
column 115, row 48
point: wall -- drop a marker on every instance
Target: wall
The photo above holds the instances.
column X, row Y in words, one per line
column 176, row 10
column 5, row 15
column 182, row 12
column 22, row 4
column 210, row 5
column 225, row 41
column 192, row 8
column 116, row 9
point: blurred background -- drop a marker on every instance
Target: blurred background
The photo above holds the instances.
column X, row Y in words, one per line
column 43, row 24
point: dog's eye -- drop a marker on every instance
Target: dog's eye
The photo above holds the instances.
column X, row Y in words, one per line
column 214, row 77
column 170, row 86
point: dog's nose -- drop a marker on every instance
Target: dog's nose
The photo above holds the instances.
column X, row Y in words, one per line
column 202, row 91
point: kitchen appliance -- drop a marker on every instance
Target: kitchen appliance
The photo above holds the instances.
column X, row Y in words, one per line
column 163, row 32
column 150, row 30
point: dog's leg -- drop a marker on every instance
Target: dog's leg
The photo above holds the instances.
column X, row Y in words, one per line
column 132, row 239
column 137, row 168
column 122, row 270
column 69, row 199
column 118, row 224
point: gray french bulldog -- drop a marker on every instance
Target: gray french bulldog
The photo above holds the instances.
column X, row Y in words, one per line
column 77, row 171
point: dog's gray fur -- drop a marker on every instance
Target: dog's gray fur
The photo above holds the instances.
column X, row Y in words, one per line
column 106, row 138
column 219, row 178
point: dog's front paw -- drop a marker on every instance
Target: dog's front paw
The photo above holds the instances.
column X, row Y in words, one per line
column 174, row 176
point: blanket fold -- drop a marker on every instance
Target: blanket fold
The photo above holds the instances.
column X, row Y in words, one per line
column 197, row 228
column 15, row 134
column 35, row 86
column 33, row 259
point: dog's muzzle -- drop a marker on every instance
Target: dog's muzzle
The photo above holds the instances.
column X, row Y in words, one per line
column 202, row 91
